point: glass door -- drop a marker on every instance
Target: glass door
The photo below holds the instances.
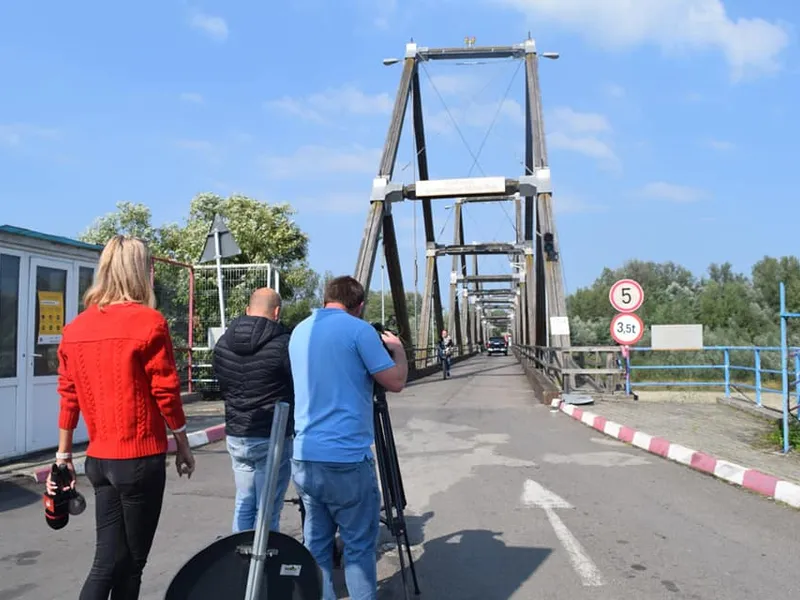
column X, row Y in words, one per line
column 13, row 305
column 52, row 292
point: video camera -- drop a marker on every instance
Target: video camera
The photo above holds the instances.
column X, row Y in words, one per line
column 381, row 329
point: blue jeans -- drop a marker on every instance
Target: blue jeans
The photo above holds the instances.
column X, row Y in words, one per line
column 343, row 496
column 249, row 457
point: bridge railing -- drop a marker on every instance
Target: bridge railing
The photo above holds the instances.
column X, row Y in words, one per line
column 571, row 367
column 424, row 358
column 421, row 362
column 750, row 372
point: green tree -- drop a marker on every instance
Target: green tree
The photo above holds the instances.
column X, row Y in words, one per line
column 265, row 233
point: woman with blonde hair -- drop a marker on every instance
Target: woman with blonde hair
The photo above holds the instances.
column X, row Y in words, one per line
column 117, row 368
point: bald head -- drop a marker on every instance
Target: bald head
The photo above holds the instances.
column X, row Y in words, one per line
column 264, row 302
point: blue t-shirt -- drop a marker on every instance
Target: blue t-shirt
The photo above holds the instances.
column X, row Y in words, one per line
column 333, row 356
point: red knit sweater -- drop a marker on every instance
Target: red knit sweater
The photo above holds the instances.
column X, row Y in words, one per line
column 117, row 368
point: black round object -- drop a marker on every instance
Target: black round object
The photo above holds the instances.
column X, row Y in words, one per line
column 220, row 571
column 77, row 503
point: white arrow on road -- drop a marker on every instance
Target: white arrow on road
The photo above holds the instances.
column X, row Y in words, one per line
column 536, row 495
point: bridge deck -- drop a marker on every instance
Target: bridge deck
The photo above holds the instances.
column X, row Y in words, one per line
column 631, row 525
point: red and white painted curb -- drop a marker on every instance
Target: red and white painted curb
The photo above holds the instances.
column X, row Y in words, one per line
column 196, row 439
column 756, row 481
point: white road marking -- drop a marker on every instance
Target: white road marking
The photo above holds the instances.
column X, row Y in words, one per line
column 535, row 494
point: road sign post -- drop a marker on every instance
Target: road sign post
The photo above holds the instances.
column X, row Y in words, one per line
column 626, row 296
column 627, row 328
column 220, row 244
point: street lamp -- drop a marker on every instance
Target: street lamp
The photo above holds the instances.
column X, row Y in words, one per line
column 550, row 55
column 390, row 61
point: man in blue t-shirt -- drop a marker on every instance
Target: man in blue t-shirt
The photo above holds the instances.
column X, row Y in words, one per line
column 336, row 357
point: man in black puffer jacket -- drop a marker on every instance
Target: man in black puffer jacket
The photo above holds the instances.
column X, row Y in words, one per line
column 251, row 363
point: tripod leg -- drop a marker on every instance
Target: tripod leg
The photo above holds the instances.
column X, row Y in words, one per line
column 411, row 564
column 388, row 444
column 402, row 567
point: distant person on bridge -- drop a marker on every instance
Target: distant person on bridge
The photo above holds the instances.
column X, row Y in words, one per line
column 251, row 363
column 117, row 368
column 445, row 349
column 336, row 358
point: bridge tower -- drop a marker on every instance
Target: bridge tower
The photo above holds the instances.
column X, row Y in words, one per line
column 535, row 294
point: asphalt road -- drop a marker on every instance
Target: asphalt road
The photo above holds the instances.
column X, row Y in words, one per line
column 506, row 501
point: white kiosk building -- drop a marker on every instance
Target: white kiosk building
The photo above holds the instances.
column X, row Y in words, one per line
column 42, row 280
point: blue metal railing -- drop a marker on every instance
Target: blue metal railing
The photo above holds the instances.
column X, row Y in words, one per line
column 727, row 368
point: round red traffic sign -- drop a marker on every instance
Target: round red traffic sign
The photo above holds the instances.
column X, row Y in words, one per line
column 627, row 328
column 626, row 296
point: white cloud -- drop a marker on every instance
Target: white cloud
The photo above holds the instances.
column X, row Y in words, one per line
column 578, row 122
column 474, row 114
column 195, row 145
column 214, row 27
column 448, row 84
column 203, row 149
column 580, row 132
column 720, row 145
column 574, row 205
column 14, row 134
column 384, row 10
column 336, row 202
column 586, row 145
column 321, row 159
column 751, row 46
column 192, row 98
column 614, row 90
column 660, row 190
column 319, row 107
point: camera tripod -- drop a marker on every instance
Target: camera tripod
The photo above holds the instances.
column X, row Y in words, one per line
column 394, row 496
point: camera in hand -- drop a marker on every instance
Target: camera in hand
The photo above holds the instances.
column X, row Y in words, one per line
column 64, row 502
column 381, row 329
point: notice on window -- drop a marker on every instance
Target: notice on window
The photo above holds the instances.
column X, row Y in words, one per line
column 51, row 318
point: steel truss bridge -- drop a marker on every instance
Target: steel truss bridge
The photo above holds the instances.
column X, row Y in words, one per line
column 532, row 304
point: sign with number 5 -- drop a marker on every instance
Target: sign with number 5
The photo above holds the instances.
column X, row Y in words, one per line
column 626, row 296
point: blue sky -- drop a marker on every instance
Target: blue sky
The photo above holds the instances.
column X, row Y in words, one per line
column 671, row 131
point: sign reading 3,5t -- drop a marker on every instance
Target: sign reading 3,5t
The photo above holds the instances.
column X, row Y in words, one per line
column 627, row 329
column 626, row 296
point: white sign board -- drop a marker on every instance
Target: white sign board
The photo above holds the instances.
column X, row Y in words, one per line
column 214, row 333
column 676, row 337
column 627, row 329
column 626, row 296
column 559, row 325
column 451, row 188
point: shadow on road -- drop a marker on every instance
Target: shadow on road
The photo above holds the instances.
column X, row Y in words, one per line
column 16, row 494
column 469, row 565
column 415, row 525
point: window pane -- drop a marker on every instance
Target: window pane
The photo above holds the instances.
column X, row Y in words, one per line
column 9, row 313
column 85, row 279
column 51, row 288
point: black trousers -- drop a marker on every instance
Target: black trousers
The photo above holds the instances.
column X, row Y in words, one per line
column 128, row 497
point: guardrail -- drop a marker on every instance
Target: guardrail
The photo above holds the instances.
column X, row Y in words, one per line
column 569, row 367
column 728, row 368
column 754, row 368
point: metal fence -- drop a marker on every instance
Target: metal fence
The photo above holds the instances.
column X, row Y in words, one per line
column 173, row 283
column 238, row 283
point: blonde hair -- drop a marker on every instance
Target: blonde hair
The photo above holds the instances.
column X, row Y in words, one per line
column 123, row 274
